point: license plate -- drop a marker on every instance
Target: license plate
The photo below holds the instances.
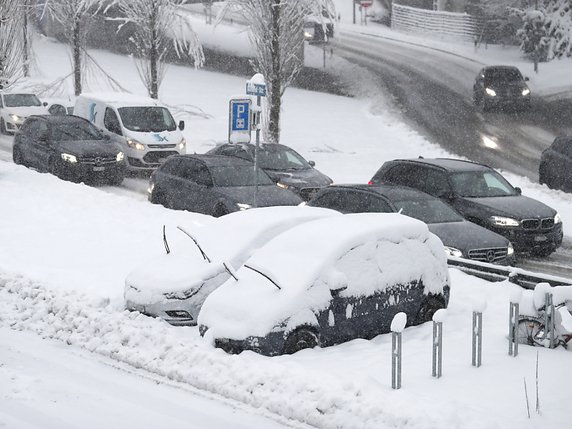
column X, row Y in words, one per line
column 162, row 160
column 540, row 238
column 98, row 168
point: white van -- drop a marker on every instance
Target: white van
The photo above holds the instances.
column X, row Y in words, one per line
column 144, row 126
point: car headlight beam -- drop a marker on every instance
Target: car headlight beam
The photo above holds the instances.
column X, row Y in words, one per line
column 557, row 218
column 120, row 157
column 525, row 92
column 15, row 117
column 182, row 144
column 282, row 185
column 491, row 92
column 504, row 221
column 134, row 144
column 243, row 206
column 509, row 249
column 72, row 159
column 451, row 251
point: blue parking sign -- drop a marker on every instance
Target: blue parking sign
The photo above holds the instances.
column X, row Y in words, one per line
column 240, row 115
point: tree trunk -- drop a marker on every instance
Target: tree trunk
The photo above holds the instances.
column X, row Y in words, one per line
column 77, row 55
column 276, row 78
column 25, row 42
column 153, row 59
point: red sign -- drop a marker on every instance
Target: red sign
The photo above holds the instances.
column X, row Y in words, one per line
column 366, row 3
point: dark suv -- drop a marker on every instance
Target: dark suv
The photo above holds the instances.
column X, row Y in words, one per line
column 482, row 196
column 555, row 167
column 501, row 86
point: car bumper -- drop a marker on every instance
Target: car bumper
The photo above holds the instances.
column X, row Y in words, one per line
column 507, row 101
column 177, row 312
column 270, row 345
column 79, row 171
column 529, row 241
column 150, row 158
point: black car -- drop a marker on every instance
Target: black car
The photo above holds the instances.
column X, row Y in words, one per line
column 460, row 237
column 69, row 147
column 214, row 185
column 482, row 196
column 501, row 86
column 283, row 164
column 555, row 168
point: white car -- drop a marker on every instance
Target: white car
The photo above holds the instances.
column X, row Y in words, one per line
column 15, row 107
column 329, row 281
column 174, row 285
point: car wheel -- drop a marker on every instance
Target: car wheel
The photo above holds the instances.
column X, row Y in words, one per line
column 543, row 253
column 116, row 180
column 54, row 167
column 302, row 338
column 530, row 331
column 220, row 210
column 157, row 197
column 428, row 309
column 3, row 129
column 17, row 156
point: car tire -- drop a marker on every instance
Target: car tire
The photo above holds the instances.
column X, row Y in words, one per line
column 157, row 197
column 429, row 307
column 17, row 156
column 220, row 210
column 54, row 168
column 543, row 253
column 300, row 339
column 3, row 129
column 528, row 331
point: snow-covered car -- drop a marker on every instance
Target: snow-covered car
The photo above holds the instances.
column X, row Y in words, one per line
column 174, row 285
column 329, row 281
column 15, row 107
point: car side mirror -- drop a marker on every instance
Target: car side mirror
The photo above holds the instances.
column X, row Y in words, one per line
column 447, row 195
column 518, row 190
column 181, row 125
column 106, row 137
column 312, row 163
column 526, row 79
column 336, row 291
column 45, row 104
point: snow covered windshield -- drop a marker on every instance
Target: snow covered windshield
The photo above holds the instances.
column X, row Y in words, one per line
column 75, row 131
column 21, row 100
column 428, row 210
column 147, row 119
column 278, row 158
column 481, row 184
column 239, row 175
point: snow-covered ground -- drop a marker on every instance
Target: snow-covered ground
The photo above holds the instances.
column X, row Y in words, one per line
column 65, row 250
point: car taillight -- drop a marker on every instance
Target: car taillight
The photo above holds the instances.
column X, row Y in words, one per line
column 370, row 183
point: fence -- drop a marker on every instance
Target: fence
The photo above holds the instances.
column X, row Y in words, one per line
column 447, row 25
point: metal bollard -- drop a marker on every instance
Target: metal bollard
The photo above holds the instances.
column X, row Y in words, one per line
column 437, row 349
column 549, row 319
column 513, row 329
column 477, row 338
column 397, row 325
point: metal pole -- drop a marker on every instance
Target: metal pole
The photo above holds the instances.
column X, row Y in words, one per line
column 513, row 329
column 396, row 360
column 258, row 104
column 437, row 349
column 549, row 319
column 477, row 338
column 354, row 9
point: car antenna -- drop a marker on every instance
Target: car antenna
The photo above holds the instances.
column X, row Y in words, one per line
column 263, row 275
column 165, row 241
column 205, row 257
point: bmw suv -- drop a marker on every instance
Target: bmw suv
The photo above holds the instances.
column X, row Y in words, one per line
column 482, row 196
column 501, row 86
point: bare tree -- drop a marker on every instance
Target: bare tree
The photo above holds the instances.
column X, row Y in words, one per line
column 11, row 48
column 276, row 32
column 159, row 26
column 74, row 16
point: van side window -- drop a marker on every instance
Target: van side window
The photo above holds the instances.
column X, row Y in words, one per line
column 111, row 122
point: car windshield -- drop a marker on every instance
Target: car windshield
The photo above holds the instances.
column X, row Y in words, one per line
column 481, row 184
column 147, row 119
column 428, row 210
column 238, row 175
column 506, row 75
column 21, row 100
column 279, row 158
column 75, row 132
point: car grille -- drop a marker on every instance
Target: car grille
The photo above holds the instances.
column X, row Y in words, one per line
column 158, row 157
column 492, row 255
column 308, row 193
column 547, row 223
column 97, row 160
column 162, row 146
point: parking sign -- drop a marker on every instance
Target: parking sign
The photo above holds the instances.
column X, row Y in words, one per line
column 239, row 123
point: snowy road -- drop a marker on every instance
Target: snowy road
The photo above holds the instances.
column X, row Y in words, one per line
column 49, row 385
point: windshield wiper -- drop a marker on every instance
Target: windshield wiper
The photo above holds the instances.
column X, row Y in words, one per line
column 205, row 257
column 263, row 275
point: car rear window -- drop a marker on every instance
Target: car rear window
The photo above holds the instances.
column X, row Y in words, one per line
column 238, row 175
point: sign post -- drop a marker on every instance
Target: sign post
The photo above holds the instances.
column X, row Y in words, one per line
column 256, row 86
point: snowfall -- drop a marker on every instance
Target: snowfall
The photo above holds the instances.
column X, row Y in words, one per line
column 70, row 356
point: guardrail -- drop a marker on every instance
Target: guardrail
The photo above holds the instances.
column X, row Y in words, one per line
column 496, row 273
column 444, row 24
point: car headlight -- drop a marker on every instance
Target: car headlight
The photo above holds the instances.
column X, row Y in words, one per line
column 150, row 188
column 504, row 221
column 15, row 117
column 182, row 144
column 120, row 157
column 509, row 249
column 134, row 144
column 525, row 92
column 557, row 218
column 282, row 185
column 69, row 158
column 243, row 206
column 490, row 92
column 451, row 251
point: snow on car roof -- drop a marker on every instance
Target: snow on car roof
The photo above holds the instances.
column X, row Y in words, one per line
column 121, row 99
column 297, row 270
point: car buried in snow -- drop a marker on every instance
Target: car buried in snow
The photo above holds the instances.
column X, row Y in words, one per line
column 173, row 286
column 329, row 281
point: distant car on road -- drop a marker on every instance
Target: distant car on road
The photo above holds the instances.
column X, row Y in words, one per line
column 215, row 185
column 460, row 237
column 174, row 286
column 68, row 147
column 348, row 277
column 283, row 164
column 482, row 196
column 15, row 107
column 555, row 168
column 501, row 87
